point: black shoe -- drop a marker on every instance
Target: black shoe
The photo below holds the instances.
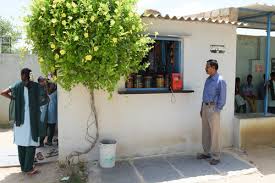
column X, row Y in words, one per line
column 203, row 156
column 214, row 161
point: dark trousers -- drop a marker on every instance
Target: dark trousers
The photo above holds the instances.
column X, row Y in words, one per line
column 42, row 141
column 43, row 133
column 271, row 110
column 241, row 107
column 51, row 128
column 42, row 138
column 26, row 157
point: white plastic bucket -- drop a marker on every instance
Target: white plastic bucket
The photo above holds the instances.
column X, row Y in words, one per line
column 107, row 153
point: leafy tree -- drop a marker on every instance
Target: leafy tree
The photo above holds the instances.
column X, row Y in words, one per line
column 7, row 30
column 88, row 42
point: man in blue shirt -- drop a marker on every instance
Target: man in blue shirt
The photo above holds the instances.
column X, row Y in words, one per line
column 214, row 97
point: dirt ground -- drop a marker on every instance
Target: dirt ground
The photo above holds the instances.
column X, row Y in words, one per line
column 50, row 173
column 252, row 178
column 6, row 138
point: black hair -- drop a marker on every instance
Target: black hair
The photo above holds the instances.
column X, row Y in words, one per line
column 213, row 63
column 249, row 76
column 237, row 79
column 40, row 78
column 272, row 74
column 26, row 72
column 51, row 87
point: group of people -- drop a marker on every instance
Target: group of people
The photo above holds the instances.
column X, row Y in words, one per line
column 48, row 117
column 33, row 109
column 248, row 94
column 35, row 105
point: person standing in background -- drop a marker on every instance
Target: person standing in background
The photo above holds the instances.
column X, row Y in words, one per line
column 271, row 94
column 261, row 89
column 240, row 102
column 52, row 112
column 248, row 91
column 44, row 111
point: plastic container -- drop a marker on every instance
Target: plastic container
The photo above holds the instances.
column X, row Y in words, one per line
column 107, row 153
column 176, row 82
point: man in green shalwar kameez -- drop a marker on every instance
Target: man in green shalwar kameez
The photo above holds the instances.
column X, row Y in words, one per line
column 26, row 98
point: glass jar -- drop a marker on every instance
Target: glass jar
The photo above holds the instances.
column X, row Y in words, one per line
column 148, row 82
column 130, row 82
column 138, row 81
column 160, row 81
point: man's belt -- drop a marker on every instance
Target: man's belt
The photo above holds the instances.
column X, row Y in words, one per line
column 209, row 103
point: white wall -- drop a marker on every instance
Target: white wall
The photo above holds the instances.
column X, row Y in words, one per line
column 150, row 124
column 10, row 66
column 247, row 48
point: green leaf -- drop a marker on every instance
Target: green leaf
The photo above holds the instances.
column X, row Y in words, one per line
column 89, row 42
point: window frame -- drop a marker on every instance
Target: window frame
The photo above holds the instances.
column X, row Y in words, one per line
column 180, row 64
column 181, row 46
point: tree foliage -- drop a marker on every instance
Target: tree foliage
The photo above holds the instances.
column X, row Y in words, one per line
column 8, row 30
column 89, row 42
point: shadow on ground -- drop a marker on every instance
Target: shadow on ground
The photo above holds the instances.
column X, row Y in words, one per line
column 177, row 168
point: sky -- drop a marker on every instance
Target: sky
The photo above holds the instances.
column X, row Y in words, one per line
column 188, row 7
column 16, row 9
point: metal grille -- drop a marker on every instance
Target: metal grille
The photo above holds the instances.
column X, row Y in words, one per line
column 5, row 44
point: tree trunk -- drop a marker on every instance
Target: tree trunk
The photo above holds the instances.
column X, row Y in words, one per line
column 90, row 124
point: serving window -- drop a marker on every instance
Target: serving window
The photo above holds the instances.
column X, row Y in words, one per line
column 164, row 71
column 164, row 59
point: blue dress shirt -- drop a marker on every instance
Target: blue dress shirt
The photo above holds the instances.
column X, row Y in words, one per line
column 215, row 91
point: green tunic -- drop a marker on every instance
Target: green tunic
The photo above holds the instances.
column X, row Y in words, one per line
column 37, row 97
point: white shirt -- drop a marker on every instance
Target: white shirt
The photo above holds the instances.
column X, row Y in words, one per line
column 22, row 133
column 239, row 100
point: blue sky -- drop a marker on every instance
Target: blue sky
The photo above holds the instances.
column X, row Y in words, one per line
column 15, row 9
column 186, row 7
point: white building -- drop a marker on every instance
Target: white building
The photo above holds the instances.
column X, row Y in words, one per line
column 161, row 122
column 150, row 124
